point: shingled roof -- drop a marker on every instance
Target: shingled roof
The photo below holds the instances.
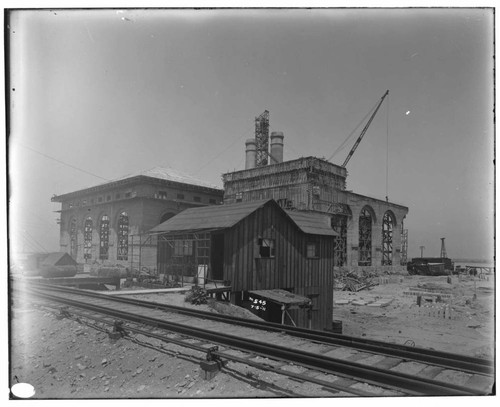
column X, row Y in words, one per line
column 226, row 216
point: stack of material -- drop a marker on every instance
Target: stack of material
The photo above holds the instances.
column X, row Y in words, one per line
column 348, row 281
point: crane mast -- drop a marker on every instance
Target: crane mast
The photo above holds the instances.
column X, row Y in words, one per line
column 355, row 146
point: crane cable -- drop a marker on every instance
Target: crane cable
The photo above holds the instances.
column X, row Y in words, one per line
column 387, row 154
column 353, row 132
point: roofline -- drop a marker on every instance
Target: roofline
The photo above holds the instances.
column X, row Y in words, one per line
column 378, row 200
column 132, row 180
column 262, row 204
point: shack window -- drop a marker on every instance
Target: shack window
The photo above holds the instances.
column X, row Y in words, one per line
column 183, row 248
column 180, row 196
column 162, row 194
column 266, row 248
column 312, row 250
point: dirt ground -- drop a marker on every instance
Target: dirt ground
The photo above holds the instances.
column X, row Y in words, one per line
column 66, row 359
column 470, row 331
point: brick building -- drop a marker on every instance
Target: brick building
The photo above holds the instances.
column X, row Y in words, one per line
column 106, row 224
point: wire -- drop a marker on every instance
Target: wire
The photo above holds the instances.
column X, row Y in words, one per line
column 223, row 151
column 387, row 154
column 62, row 162
column 352, row 132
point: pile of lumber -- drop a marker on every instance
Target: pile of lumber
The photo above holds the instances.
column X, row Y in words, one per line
column 347, row 281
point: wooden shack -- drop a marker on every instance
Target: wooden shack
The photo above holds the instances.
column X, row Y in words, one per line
column 257, row 246
column 58, row 264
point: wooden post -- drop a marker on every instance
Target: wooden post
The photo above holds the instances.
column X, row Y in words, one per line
column 282, row 315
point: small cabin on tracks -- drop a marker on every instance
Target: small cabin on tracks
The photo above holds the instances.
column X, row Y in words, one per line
column 256, row 247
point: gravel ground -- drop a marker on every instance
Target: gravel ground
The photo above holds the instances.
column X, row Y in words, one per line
column 63, row 358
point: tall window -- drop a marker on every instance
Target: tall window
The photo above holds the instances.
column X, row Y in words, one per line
column 87, row 238
column 104, row 238
column 72, row 238
column 387, row 227
column 183, row 248
column 123, row 236
column 365, row 239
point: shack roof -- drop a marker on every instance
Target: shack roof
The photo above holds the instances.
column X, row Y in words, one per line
column 282, row 297
column 226, row 216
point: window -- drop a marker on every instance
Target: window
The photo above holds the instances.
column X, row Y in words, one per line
column 197, row 199
column 71, row 204
column 266, row 248
column 72, row 238
column 212, row 201
column 239, row 197
column 99, row 199
column 123, row 236
column 162, row 194
column 387, row 228
column 118, row 196
column 180, row 196
column 104, row 238
column 183, row 248
column 312, row 250
column 87, row 239
column 84, row 202
column 108, row 198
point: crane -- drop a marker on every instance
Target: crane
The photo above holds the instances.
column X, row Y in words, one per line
column 355, row 146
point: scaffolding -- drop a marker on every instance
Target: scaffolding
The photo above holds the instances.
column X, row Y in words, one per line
column 262, row 139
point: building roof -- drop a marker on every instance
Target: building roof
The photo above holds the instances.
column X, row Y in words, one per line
column 157, row 173
column 58, row 258
column 313, row 223
column 226, row 216
column 169, row 174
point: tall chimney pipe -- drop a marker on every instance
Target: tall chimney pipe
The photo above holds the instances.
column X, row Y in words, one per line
column 277, row 147
column 251, row 152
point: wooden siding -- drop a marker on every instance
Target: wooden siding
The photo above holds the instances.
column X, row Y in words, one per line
column 289, row 269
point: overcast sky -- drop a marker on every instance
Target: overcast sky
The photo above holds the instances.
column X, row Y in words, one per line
column 99, row 94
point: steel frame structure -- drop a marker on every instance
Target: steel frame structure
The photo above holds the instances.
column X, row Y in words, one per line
column 73, row 238
column 365, row 238
column 339, row 224
column 387, row 229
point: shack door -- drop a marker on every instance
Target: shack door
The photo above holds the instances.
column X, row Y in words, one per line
column 217, row 256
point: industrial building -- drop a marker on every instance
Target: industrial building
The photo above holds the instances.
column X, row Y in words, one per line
column 371, row 231
column 107, row 224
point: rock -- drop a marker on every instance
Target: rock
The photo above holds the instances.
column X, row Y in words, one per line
column 46, row 364
column 78, row 357
column 80, row 366
column 104, row 362
column 138, row 371
column 93, row 378
column 106, row 389
column 141, row 388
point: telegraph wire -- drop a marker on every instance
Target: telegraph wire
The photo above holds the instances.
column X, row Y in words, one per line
column 62, row 162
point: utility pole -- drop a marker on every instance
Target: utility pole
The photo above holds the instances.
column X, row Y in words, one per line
column 422, row 251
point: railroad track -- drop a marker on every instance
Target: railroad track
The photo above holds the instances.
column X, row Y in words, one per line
column 350, row 361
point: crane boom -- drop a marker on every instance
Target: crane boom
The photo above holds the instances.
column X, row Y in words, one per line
column 355, row 146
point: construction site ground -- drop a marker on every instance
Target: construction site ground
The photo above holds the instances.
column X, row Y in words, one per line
column 388, row 312
column 63, row 358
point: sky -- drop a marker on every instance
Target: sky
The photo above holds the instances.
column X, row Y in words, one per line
column 98, row 94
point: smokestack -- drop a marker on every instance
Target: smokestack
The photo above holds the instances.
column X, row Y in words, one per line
column 277, row 147
column 251, row 151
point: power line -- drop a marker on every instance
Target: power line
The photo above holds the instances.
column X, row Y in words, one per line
column 62, row 162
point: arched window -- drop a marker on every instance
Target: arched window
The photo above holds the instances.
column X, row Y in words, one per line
column 72, row 238
column 123, row 236
column 104, row 238
column 387, row 227
column 365, row 238
column 87, row 238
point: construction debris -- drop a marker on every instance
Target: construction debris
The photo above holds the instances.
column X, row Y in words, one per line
column 349, row 281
